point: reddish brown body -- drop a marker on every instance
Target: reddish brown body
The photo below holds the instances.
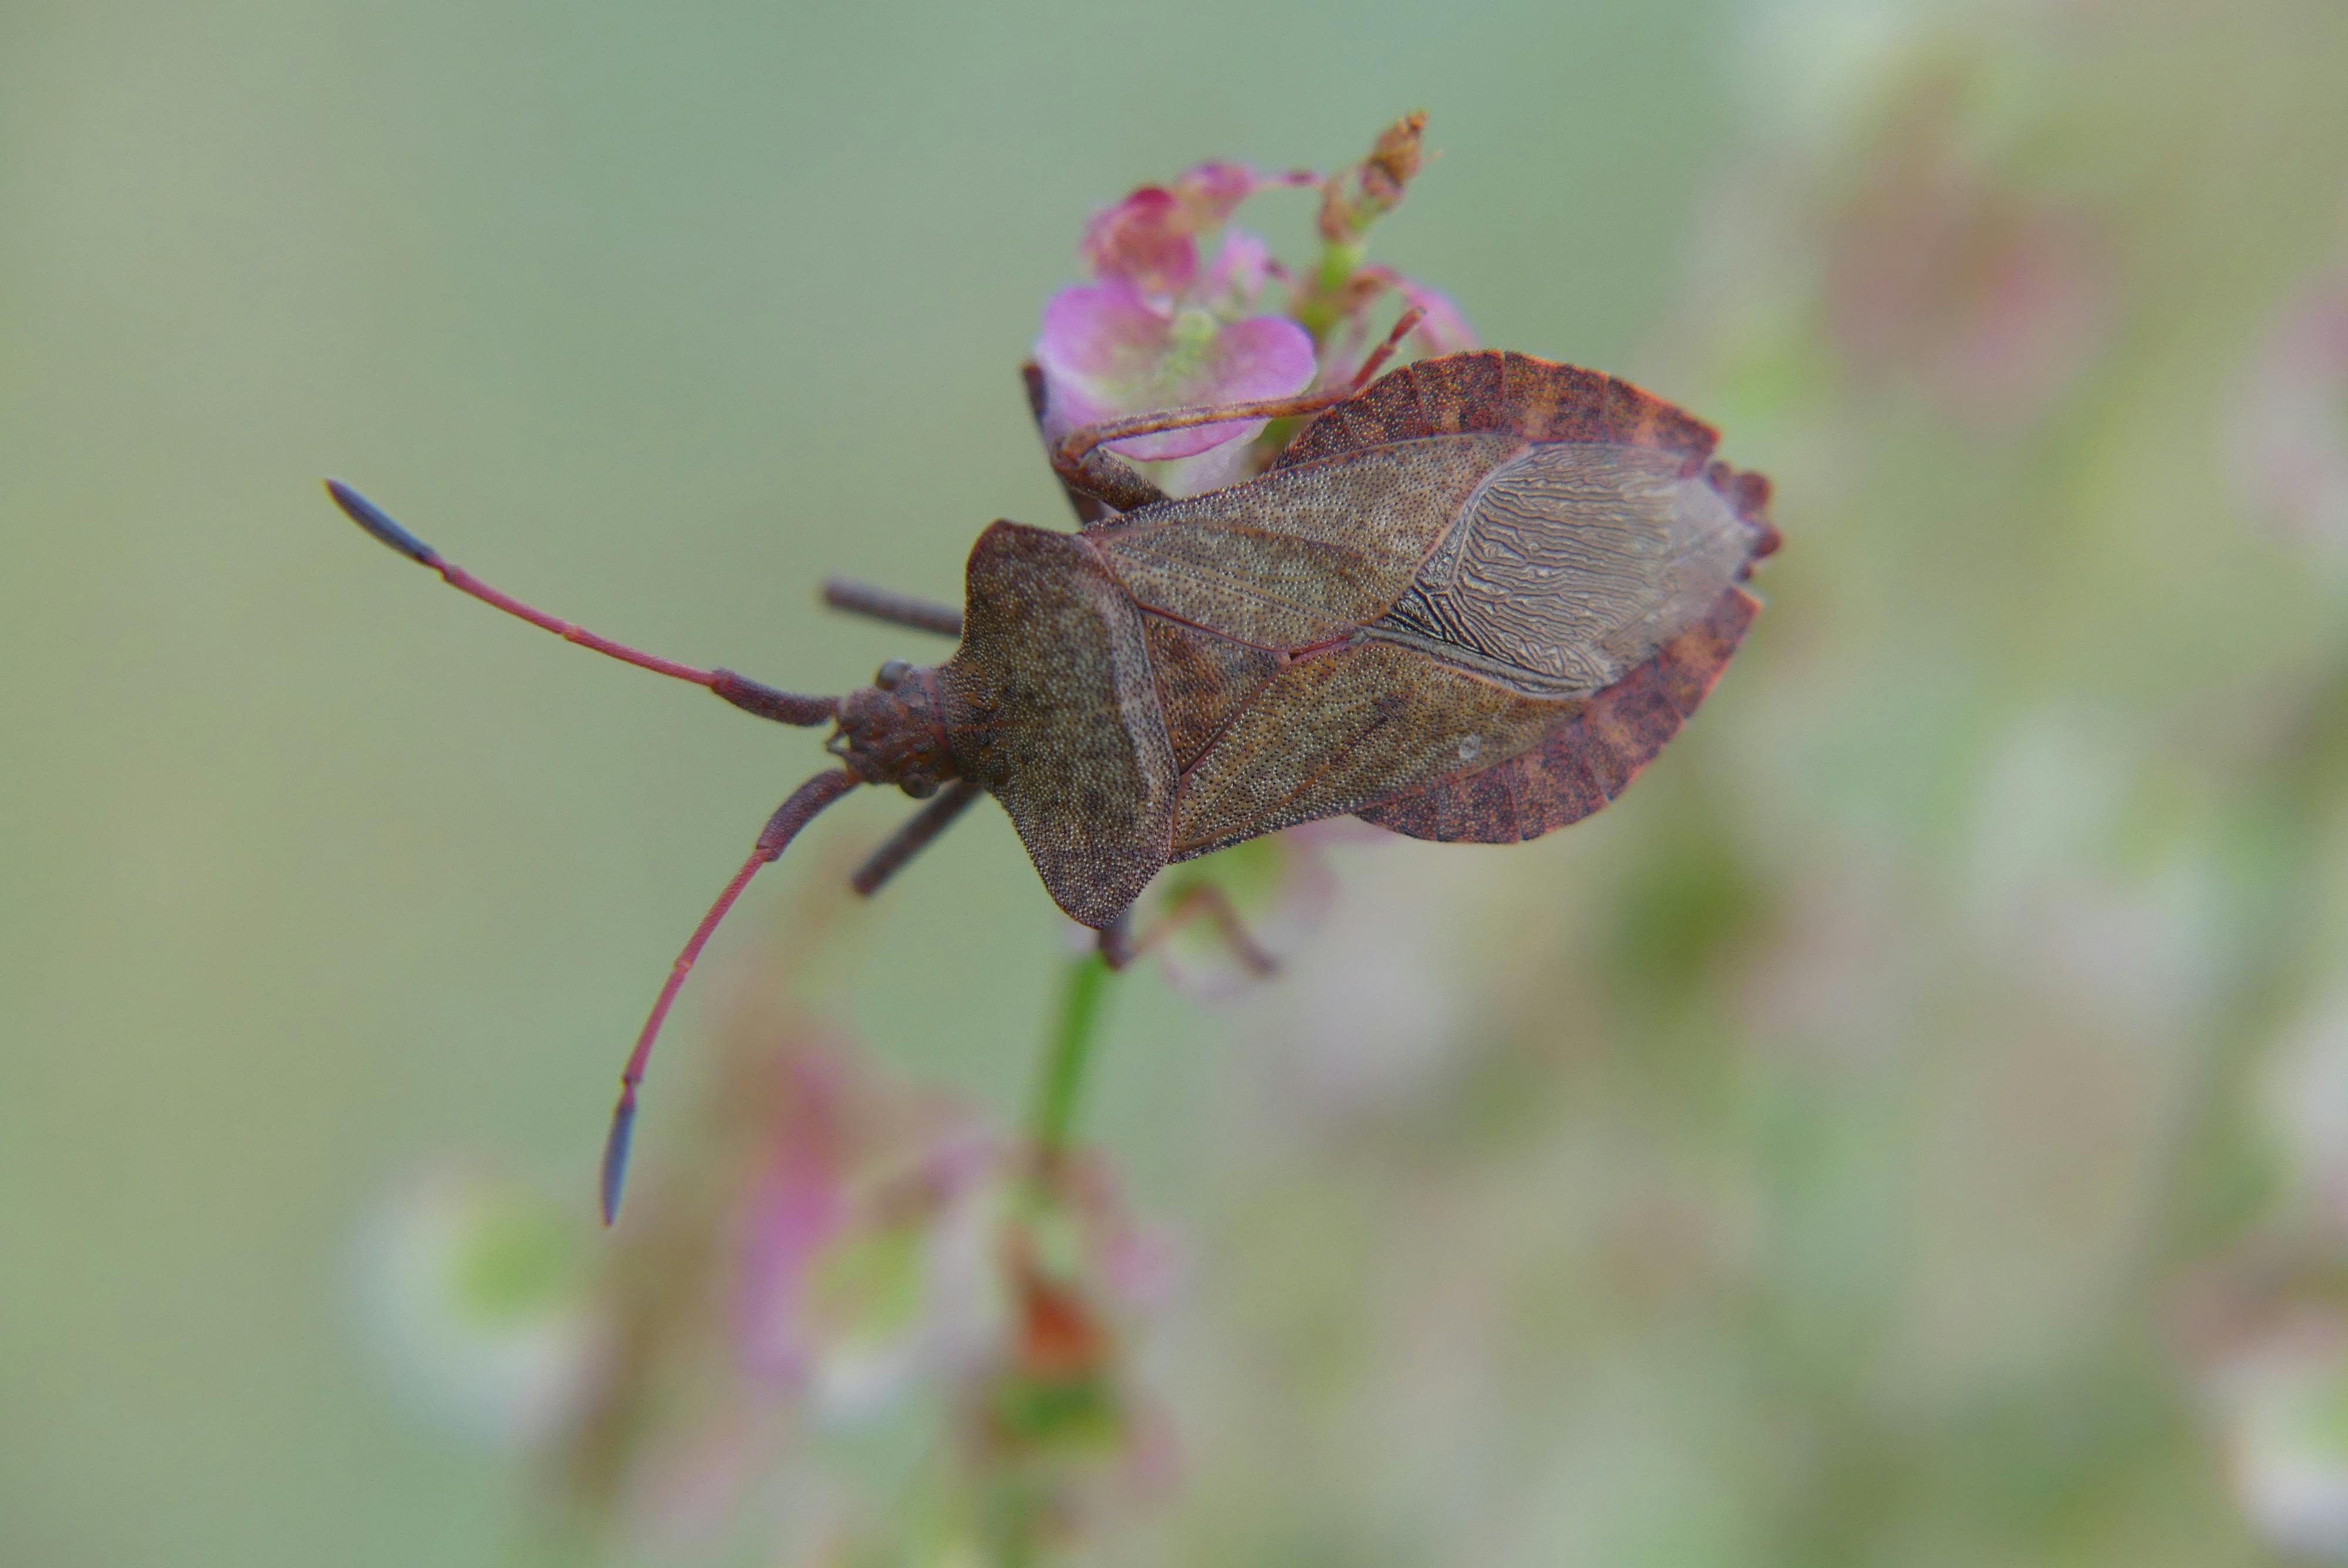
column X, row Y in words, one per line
column 1469, row 603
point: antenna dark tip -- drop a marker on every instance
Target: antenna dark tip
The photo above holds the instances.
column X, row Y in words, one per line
column 615, row 1152
column 783, row 826
column 378, row 524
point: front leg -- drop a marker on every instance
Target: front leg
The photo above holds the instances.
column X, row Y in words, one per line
column 1101, row 486
column 1076, row 457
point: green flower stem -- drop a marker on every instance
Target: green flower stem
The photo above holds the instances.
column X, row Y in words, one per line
column 1318, row 305
column 1339, row 262
column 1071, row 1052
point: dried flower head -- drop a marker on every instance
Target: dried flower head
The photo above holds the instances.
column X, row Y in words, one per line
column 1352, row 201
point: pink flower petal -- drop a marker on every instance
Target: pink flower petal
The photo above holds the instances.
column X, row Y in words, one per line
column 1444, row 329
column 1144, row 241
column 1239, row 272
column 2288, row 437
column 1148, row 239
column 1211, row 192
column 1262, row 356
column 798, row 1207
column 1106, row 353
column 1216, row 469
column 1102, row 337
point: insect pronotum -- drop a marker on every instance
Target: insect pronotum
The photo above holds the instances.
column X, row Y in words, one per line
column 1468, row 602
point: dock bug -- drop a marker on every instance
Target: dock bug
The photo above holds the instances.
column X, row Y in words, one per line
column 1469, row 602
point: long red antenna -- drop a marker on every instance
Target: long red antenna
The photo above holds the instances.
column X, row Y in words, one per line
column 781, row 828
column 767, row 701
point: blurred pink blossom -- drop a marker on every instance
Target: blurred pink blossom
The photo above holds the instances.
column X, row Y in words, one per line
column 1992, row 299
column 1442, row 327
column 863, row 1254
column 2290, row 430
column 891, row 1238
column 1276, row 890
column 1149, row 240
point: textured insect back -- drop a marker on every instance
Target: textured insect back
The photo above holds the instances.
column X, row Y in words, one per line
column 1448, row 572
column 1538, row 399
column 1598, row 423
column 1488, row 390
column 1201, row 679
column 1585, row 762
column 1051, row 707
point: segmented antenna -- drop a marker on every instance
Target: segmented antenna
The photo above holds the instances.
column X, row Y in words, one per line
column 751, row 696
column 781, row 828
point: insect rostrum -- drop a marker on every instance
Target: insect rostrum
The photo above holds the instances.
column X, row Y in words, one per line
column 1467, row 603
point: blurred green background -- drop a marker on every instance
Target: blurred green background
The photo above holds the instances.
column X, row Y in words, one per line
column 1886, row 1136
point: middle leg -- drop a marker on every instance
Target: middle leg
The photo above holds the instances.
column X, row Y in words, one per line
column 896, row 609
column 1120, row 946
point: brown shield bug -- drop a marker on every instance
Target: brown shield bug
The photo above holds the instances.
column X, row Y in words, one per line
column 1468, row 602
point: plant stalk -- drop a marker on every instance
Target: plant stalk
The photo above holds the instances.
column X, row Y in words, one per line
column 1076, row 1029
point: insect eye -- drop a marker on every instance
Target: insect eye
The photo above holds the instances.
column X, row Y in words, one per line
column 891, row 672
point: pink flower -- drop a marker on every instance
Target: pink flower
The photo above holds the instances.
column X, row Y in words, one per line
column 883, row 1240
column 863, row 1259
column 1149, row 239
column 1158, row 331
column 2289, row 427
column 1442, row 328
column 1143, row 241
column 1056, row 1405
column 1106, row 351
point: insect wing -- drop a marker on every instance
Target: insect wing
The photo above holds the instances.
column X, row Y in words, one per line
column 1487, row 568
column 1582, row 763
column 1571, row 565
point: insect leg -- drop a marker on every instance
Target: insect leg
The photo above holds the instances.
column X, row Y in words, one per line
column 782, row 828
column 1102, row 488
column 914, row 837
column 1106, row 487
column 897, row 608
column 1114, row 940
column 1072, row 460
column 751, row 696
column 1120, row 946
column 1403, row 326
